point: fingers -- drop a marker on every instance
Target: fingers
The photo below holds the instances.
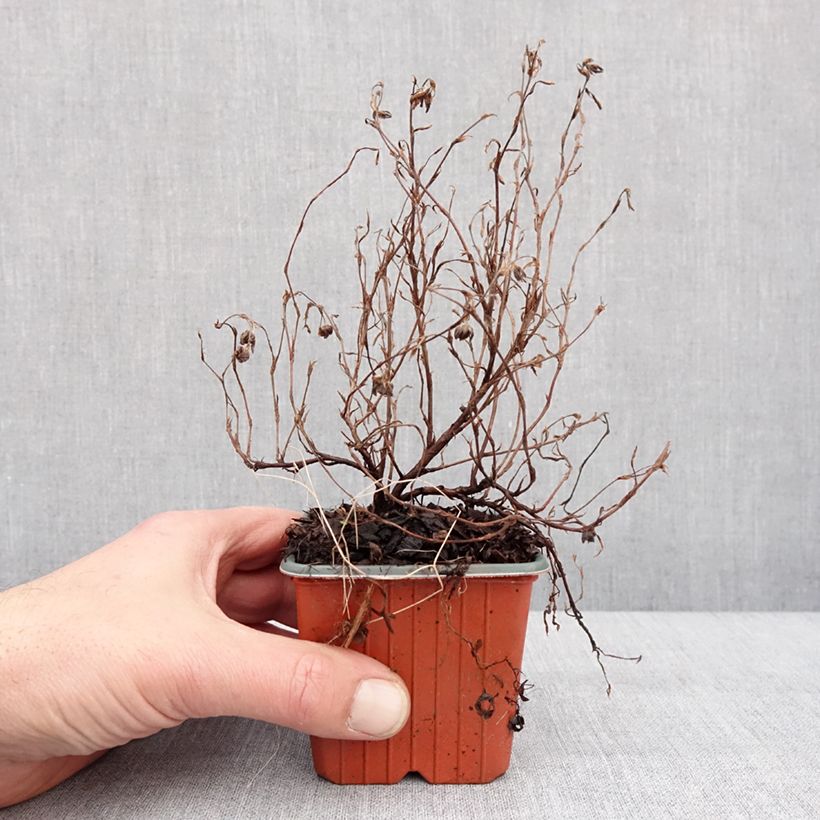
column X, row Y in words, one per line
column 251, row 537
column 315, row 688
column 260, row 595
column 246, row 537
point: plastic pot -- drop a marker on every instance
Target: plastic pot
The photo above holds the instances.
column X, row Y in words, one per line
column 459, row 652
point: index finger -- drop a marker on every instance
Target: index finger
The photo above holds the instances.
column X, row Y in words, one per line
column 251, row 537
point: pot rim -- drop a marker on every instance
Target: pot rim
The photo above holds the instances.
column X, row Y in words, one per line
column 390, row 572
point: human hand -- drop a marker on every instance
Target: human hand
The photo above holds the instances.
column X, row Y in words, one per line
column 157, row 627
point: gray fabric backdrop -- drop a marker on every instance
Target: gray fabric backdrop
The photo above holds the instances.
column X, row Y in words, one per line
column 154, row 159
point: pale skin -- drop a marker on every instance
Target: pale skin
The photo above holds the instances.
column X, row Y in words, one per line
column 163, row 624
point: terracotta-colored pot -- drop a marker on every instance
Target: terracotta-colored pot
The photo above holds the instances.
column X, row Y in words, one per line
column 459, row 652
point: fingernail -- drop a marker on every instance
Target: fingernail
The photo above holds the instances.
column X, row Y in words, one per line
column 380, row 708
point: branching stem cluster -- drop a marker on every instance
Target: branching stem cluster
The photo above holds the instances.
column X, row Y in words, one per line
column 488, row 295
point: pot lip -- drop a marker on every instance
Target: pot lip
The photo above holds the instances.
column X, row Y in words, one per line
column 290, row 566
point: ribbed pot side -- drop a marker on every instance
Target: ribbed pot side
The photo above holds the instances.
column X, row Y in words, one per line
column 459, row 727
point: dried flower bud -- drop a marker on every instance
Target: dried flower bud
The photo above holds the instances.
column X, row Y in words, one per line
column 463, row 330
column 376, row 95
column 589, row 67
column 532, row 62
column 382, row 385
column 424, row 95
column 248, row 337
column 242, row 353
column 325, row 330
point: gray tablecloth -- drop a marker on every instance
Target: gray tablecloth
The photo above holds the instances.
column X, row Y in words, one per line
column 721, row 719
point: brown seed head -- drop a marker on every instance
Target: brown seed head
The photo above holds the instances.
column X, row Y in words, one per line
column 532, row 62
column 424, row 95
column 588, row 67
column 382, row 385
column 463, row 330
column 248, row 337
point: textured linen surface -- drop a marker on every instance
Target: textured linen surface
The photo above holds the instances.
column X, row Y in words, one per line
column 155, row 158
column 719, row 720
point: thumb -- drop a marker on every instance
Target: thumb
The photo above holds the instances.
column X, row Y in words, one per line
column 323, row 690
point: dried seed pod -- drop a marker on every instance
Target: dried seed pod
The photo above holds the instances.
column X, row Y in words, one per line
column 382, row 385
column 325, row 330
column 242, row 353
column 589, row 67
column 463, row 330
column 518, row 273
column 376, row 95
column 248, row 337
column 424, row 95
column 532, row 62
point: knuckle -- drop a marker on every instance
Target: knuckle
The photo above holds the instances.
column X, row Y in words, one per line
column 169, row 522
column 160, row 522
column 308, row 687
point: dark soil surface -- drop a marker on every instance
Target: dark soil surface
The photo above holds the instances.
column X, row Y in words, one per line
column 413, row 536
